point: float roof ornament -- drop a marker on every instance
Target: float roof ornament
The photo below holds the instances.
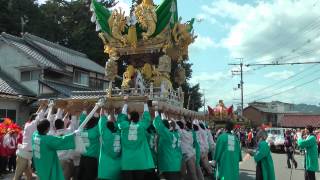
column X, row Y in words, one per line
column 149, row 29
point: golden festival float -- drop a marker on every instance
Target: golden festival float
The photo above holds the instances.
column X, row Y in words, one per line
column 148, row 41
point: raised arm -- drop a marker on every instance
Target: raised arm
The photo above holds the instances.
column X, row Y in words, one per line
column 123, row 121
column 61, row 142
column 146, row 116
column 102, row 121
column 40, row 116
column 50, row 115
column 159, row 126
column 98, row 105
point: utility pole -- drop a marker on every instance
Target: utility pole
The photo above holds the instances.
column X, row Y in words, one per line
column 23, row 21
column 239, row 72
column 204, row 100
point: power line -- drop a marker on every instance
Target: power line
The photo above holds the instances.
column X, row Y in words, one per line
column 300, row 85
column 295, row 50
column 280, row 82
column 285, row 63
column 285, row 83
column 308, row 28
column 272, row 64
column 283, row 59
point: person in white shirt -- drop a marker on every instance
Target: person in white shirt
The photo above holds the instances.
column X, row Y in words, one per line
column 188, row 168
column 65, row 156
column 24, row 151
column 204, row 148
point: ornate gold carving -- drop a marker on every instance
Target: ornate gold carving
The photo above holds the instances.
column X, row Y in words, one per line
column 160, row 79
column 164, row 64
column 147, row 71
column 147, row 17
column 128, row 77
column 111, row 70
column 180, row 75
column 117, row 24
column 182, row 37
column 132, row 36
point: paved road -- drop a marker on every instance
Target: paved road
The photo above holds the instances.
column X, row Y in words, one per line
column 247, row 168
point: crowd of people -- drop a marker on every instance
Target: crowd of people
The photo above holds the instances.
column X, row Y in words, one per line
column 116, row 144
column 10, row 137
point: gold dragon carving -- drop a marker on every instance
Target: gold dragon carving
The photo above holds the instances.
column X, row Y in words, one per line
column 128, row 77
column 117, row 24
column 182, row 37
column 147, row 17
column 111, row 70
column 180, row 75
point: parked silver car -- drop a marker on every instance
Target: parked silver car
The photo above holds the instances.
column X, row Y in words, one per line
column 276, row 138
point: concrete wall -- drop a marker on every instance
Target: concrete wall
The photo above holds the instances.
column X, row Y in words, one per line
column 11, row 58
column 33, row 86
column 21, row 107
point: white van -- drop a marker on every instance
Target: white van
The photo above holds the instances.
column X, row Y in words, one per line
column 276, row 138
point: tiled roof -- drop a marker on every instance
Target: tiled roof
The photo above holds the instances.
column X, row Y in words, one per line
column 300, row 120
column 49, row 54
column 88, row 94
column 11, row 87
column 37, row 57
column 67, row 56
column 65, row 89
column 269, row 110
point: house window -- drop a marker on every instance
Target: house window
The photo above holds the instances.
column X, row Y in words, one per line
column 8, row 113
column 81, row 78
column 30, row 75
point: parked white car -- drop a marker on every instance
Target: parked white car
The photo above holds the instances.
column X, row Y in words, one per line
column 276, row 138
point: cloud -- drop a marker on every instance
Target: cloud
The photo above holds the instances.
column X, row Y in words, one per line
column 41, row 1
column 269, row 31
column 209, row 77
column 279, row 75
column 203, row 43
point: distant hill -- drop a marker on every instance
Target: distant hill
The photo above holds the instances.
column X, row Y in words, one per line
column 306, row 108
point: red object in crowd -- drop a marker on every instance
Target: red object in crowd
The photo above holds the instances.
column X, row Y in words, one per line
column 211, row 111
column 15, row 131
column 237, row 126
column 230, row 110
column 2, row 149
column 318, row 137
column 250, row 136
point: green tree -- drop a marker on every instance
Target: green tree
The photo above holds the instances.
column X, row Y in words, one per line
column 14, row 13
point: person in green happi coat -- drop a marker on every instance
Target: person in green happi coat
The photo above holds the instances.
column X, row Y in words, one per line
column 196, row 145
column 110, row 150
column 263, row 158
column 44, row 149
column 309, row 143
column 89, row 158
column 136, row 159
column 227, row 155
column 152, row 140
column 169, row 148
